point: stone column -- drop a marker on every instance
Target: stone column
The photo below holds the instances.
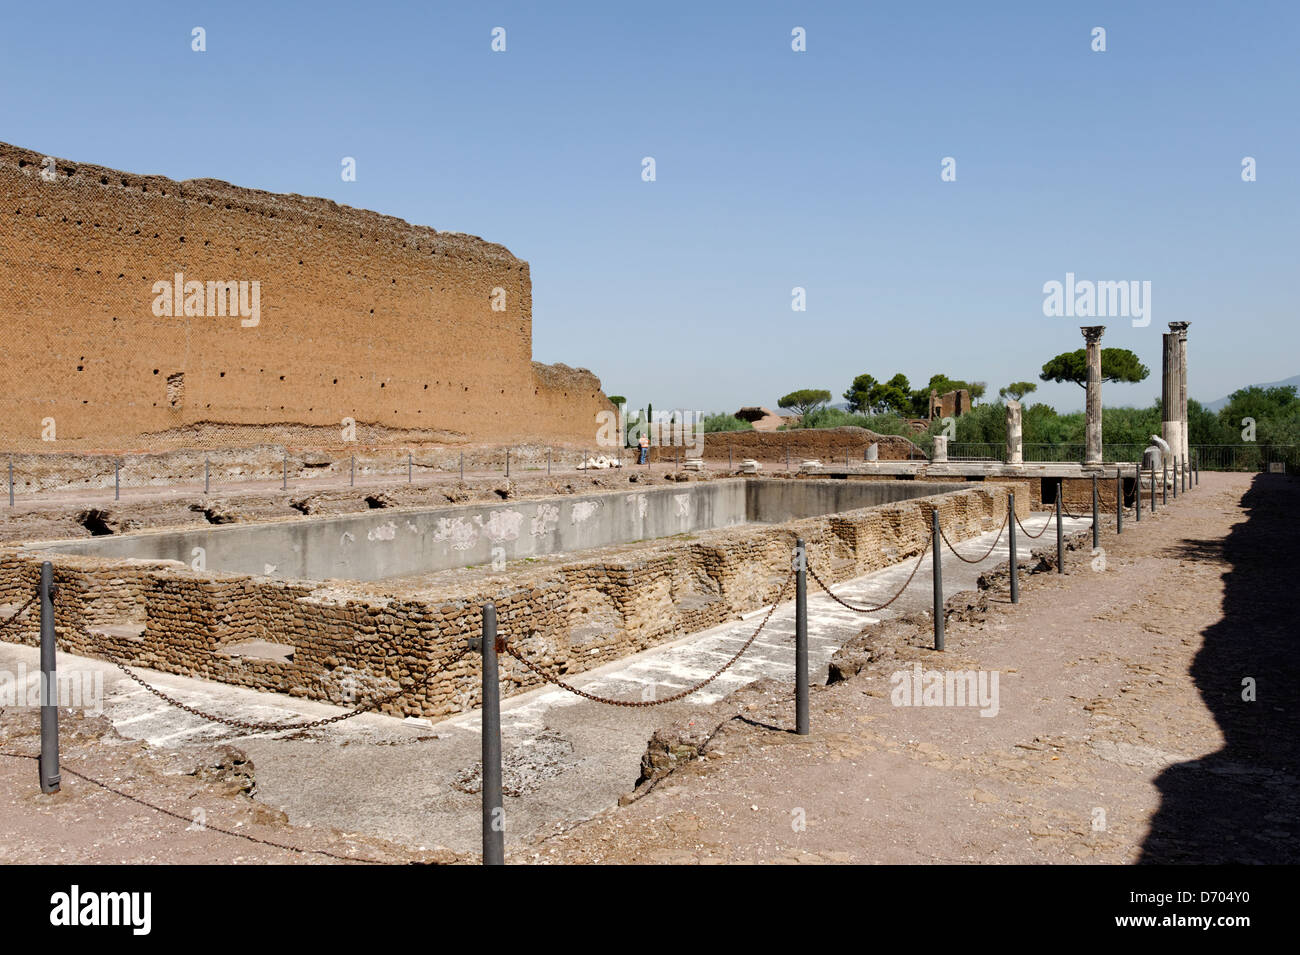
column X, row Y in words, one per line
column 1180, row 329
column 1171, row 427
column 1092, row 338
column 940, row 453
column 1015, row 445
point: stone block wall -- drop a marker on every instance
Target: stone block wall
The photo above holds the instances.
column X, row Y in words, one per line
column 347, row 645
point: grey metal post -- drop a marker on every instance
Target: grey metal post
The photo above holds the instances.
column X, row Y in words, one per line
column 1164, row 482
column 730, row 465
column 1060, row 535
column 1119, row 501
column 207, row 475
column 1175, row 478
column 1137, row 492
column 787, row 458
column 494, row 836
column 800, row 639
column 1011, row 542
column 937, row 567
column 353, row 470
column 117, row 480
column 1185, row 475
column 49, row 761
column 1096, row 524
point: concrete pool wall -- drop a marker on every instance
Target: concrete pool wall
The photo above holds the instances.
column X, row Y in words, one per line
column 343, row 641
column 387, row 543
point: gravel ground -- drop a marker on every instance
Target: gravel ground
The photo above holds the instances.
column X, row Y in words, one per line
column 1121, row 734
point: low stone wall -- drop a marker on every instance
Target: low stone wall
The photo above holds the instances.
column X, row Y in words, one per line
column 348, row 645
column 825, row 444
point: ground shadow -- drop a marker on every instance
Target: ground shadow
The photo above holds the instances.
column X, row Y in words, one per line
column 1239, row 804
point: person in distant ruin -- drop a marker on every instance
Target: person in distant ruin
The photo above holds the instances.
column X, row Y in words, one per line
column 644, row 444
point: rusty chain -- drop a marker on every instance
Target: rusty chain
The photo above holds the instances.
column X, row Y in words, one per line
column 285, row 727
column 207, row 827
column 21, row 610
column 550, row 678
column 975, row 560
column 1041, row 531
column 1066, row 511
column 844, row 603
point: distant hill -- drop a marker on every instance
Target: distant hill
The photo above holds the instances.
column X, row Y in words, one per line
column 1222, row 402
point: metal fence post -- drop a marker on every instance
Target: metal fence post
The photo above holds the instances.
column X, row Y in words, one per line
column 730, row 465
column 1153, row 487
column 1011, row 543
column 1060, row 535
column 49, row 761
column 1164, row 482
column 800, row 638
column 1137, row 493
column 1119, row 501
column 937, row 567
column 1185, row 475
column 787, row 458
column 494, row 845
column 1175, row 478
column 1096, row 525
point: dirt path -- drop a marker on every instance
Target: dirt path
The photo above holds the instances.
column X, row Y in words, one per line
column 1120, row 733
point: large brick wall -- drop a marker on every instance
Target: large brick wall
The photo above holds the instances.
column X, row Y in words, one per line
column 362, row 316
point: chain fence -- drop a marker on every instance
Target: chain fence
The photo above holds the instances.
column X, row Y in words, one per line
column 492, row 841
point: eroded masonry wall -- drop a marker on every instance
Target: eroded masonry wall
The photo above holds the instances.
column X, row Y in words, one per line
column 358, row 316
column 581, row 614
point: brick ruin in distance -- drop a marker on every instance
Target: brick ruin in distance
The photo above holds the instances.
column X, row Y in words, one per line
column 361, row 316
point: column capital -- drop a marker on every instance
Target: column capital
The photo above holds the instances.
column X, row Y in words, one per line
column 1092, row 333
column 1179, row 329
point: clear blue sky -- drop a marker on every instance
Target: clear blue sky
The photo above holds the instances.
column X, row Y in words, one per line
column 775, row 169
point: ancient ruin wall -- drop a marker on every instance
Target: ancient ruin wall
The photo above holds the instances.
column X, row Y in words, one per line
column 829, row 445
column 582, row 614
column 359, row 316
